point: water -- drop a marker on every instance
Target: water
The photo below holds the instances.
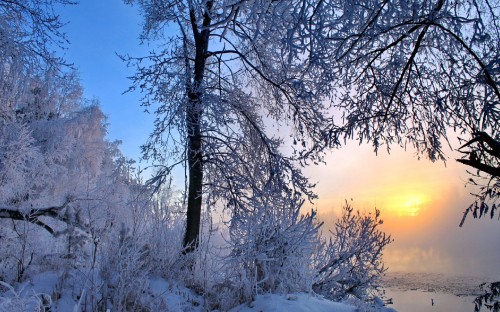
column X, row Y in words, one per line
column 428, row 292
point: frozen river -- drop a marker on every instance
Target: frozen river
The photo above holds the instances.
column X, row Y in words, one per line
column 421, row 292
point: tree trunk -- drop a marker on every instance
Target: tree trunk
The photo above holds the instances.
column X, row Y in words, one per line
column 195, row 168
column 193, row 118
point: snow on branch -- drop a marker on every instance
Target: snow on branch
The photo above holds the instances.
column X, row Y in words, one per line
column 32, row 215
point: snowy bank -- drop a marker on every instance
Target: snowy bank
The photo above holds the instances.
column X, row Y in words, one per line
column 163, row 296
column 302, row 303
column 293, row 303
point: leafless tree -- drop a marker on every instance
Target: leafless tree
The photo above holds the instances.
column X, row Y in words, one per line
column 223, row 71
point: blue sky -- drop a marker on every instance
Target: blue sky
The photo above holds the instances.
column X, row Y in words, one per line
column 97, row 31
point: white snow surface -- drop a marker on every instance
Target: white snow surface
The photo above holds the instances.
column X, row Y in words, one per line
column 293, row 303
column 168, row 296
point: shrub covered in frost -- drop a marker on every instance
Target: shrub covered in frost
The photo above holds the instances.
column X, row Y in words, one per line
column 13, row 301
column 351, row 261
column 272, row 246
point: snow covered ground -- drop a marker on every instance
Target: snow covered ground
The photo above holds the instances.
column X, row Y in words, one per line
column 306, row 303
column 293, row 303
column 411, row 292
column 163, row 296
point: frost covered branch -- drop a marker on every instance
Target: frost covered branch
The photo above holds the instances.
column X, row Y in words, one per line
column 32, row 215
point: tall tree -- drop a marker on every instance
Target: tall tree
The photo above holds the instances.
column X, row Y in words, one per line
column 223, row 71
column 401, row 72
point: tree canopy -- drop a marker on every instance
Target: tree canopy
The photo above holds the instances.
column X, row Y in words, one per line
column 411, row 72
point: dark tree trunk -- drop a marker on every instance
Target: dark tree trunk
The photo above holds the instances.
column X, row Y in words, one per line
column 195, row 145
column 195, row 167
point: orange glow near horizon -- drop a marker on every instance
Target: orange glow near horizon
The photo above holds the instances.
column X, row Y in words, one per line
column 421, row 204
column 410, row 194
column 407, row 205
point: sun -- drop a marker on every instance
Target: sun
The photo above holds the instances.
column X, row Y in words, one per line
column 411, row 206
column 408, row 205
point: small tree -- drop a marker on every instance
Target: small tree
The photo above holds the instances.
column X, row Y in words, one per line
column 351, row 261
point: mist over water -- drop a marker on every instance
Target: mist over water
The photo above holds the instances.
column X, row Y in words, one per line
column 421, row 204
column 473, row 250
column 444, row 247
column 438, row 267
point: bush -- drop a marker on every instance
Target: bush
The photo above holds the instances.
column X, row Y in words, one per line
column 14, row 301
column 272, row 246
column 351, row 263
